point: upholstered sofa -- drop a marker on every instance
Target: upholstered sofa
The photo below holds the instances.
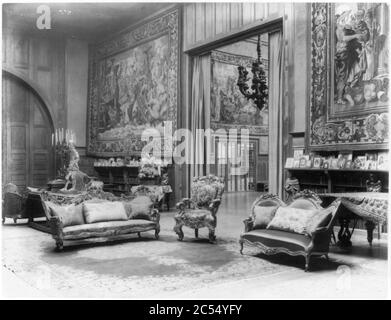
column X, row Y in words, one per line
column 302, row 228
column 99, row 220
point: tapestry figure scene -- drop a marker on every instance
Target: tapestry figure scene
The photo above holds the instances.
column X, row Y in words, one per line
column 228, row 106
column 361, row 75
column 134, row 90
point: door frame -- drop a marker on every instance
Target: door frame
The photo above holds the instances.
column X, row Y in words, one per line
column 269, row 25
column 44, row 103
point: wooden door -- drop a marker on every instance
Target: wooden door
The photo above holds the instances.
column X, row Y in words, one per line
column 27, row 151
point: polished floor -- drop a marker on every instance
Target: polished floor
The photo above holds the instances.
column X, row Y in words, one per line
column 360, row 272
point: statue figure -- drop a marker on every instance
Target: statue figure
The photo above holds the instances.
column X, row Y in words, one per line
column 78, row 178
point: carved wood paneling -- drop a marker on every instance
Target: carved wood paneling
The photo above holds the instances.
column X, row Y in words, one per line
column 41, row 61
column 27, row 153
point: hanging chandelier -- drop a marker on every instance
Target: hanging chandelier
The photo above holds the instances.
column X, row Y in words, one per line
column 259, row 88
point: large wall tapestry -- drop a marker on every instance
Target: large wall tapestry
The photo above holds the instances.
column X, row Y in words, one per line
column 229, row 108
column 133, row 86
column 350, row 76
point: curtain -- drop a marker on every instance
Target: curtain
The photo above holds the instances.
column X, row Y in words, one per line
column 199, row 113
column 276, row 57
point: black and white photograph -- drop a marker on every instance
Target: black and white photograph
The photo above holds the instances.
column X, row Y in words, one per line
column 195, row 151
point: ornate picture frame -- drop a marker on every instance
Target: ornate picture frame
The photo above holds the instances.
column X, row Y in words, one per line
column 133, row 86
column 349, row 96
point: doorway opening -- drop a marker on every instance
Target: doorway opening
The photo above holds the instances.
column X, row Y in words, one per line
column 26, row 136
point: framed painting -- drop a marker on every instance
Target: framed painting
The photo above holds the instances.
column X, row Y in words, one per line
column 229, row 108
column 133, row 86
column 349, row 75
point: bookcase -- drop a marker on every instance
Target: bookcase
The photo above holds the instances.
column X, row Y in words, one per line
column 337, row 180
column 118, row 179
column 334, row 180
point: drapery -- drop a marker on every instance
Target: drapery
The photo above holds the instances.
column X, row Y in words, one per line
column 199, row 113
column 276, row 58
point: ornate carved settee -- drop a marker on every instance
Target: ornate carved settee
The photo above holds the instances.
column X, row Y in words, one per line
column 101, row 220
column 301, row 228
column 200, row 210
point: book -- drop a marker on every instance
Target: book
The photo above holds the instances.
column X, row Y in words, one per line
column 382, row 161
column 341, row 161
column 318, row 162
column 333, row 163
column 359, row 162
column 308, row 163
column 298, row 153
column 296, row 163
column 289, row 163
column 348, row 164
column 302, row 162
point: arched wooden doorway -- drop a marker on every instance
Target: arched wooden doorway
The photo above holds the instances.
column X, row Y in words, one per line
column 27, row 158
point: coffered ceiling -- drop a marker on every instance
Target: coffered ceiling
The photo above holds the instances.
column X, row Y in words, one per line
column 88, row 21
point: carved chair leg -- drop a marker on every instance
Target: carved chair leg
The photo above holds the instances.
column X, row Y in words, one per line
column 369, row 225
column 178, row 231
column 157, row 231
column 241, row 246
column 59, row 245
column 307, row 263
column 212, row 237
column 196, row 232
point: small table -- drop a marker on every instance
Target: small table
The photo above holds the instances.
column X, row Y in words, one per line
column 369, row 206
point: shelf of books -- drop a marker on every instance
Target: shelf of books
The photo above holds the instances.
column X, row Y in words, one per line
column 339, row 172
column 333, row 172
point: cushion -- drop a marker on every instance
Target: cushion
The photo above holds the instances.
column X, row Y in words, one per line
column 319, row 220
column 291, row 219
column 69, row 215
column 139, row 208
column 104, row 211
column 278, row 239
column 108, row 228
column 263, row 216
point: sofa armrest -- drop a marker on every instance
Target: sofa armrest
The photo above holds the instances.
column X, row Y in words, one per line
column 183, row 204
column 248, row 224
column 321, row 238
column 155, row 215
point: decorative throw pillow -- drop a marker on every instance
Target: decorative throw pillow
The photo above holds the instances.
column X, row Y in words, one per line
column 139, row 208
column 104, row 211
column 319, row 220
column 291, row 219
column 70, row 215
column 263, row 216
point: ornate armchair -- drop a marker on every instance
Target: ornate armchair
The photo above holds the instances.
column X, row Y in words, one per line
column 200, row 210
column 14, row 203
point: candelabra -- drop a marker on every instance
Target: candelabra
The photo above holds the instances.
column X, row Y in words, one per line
column 61, row 141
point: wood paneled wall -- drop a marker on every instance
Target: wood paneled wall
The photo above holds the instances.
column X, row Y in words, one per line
column 41, row 61
column 205, row 22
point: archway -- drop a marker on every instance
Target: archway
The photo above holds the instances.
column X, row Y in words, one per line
column 27, row 158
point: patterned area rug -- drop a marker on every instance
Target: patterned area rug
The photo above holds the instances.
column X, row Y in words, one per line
column 135, row 269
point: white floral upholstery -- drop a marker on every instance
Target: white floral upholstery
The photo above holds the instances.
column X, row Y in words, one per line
column 200, row 210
